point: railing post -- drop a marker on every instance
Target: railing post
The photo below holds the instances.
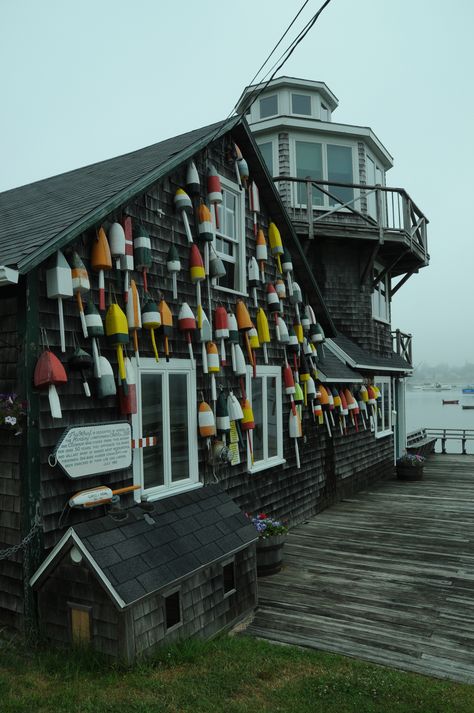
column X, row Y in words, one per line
column 443, row 443
column 464, row 443
column 378, row 197
column 309, row 207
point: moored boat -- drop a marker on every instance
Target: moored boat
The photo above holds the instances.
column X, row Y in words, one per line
column 468, row 389
column 450, row 401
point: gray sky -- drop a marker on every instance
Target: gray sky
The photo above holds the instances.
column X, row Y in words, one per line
column 84, row 81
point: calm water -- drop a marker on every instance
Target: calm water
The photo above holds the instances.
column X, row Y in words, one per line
column 425, row 409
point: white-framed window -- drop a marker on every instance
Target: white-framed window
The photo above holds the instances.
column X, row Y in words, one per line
column 383, row 421
column 268, row 106
column 324, row 161
column 230, row 238
column 381, row 296
column 324, row 112
column 375, row 175
column 166, row 400
column 301, row 104
column 266, row 149
column 264, row 392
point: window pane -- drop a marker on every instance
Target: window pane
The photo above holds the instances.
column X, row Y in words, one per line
column 301, row 104
column 229, row 279
column 268, row 106
column 152, row 425
column 179, row 427
column 340, row 169
column 370, row 178
column 272, row 417
column 267, row 153
column 324, row 113
column 258, row 418
column 309, row 164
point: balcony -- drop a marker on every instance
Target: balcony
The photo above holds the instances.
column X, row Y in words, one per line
column 402, row 345
column 385, row 216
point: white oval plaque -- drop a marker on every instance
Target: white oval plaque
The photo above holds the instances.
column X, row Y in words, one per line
column 95, row 448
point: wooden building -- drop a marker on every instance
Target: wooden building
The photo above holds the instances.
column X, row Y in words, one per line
column 175, row 556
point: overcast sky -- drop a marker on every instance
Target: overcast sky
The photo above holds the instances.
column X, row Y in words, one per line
column 85, row 81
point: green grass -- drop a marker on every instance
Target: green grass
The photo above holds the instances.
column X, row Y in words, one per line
column 227, row 675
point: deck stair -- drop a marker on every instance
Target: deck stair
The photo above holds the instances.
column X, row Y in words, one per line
column 386, row 576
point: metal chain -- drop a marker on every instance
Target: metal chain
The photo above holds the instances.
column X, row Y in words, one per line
column 10, row 551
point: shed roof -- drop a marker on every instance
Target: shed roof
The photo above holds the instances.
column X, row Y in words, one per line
column 148, row 552
column 331, row 368
column 363, row 359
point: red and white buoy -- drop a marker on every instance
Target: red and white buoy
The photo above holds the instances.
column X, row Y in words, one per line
column 187, row 325
column 205, row 231
column 126, row 261
column 289, row 384
column 213, row 368
column 128, row 395
column 49, row 372
column 214, row 192
column 221, row 328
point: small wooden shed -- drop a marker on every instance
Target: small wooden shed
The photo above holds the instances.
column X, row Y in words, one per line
column 128, row 581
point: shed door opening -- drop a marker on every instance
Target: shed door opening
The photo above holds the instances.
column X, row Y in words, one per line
column 172, row 610
column 80, row 620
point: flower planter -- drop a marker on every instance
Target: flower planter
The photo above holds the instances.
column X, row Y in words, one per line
column 270, row 555
column 410, row 472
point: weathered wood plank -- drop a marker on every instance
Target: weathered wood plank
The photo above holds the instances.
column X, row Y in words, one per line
column 387, row 576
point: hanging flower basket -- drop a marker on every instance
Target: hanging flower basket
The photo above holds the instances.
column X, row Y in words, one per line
column 12, row 412
column 410, row 467
column 272, row 536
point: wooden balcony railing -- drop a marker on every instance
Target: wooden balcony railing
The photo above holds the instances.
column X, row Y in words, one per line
column 382, row 209
column 402, row 345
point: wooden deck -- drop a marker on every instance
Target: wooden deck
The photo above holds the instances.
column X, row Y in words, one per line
column 386, row 576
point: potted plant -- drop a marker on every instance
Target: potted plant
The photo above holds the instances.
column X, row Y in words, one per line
column 271, row 538
column 410, row 467
column 12, row 411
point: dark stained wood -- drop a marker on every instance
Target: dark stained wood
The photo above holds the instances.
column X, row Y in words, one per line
column 386, row 576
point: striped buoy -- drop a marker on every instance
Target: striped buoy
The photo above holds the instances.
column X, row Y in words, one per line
column 134, row 317
column 295, row 431
column 221, row 327
column 253, row 278
column 214, row 192
column 248, row 423
column 126, row 261
column 287, row 268
column 206, row 422
column 187, row 324
column 261, row 253
column 242, row 169
column 280, row 290
column 338, row 407
column 80, row 285
column 81, row 362
column 173, row 265
column 193, row 186
column 101, row 260
column 145, row 442
column 196, row 270
column 95, row 328
column 222, row 415
column 183, row 205
column 116, row 329
column 205, row 231
column 212, row 359
column 233, row 337
column 244, row 323
column 166, row 325
column 289, row 384
column 151, row 320
column 142, row 252
column 204, row 335
column 127, row 391
column 324, row 400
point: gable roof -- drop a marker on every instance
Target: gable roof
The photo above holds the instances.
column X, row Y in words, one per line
column 42, row 217
column 148, row 552
column 359, row 358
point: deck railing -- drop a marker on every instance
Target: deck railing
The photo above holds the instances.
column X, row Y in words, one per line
column 383, row 209
column 402, row 345
column 464, row 435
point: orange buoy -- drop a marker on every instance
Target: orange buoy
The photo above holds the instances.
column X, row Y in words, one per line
column 101, row 260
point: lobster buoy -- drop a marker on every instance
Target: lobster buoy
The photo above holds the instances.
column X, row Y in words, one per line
column 338, row 407
column 59, row 286
column 287, row 268
column 127, row 391
column 126, row 261
column 206, row 422
column 222, row 416
column 204, row 335
column 193, row 186
column 196, row 270
column 242, row 169
column 233, row 337
column 254, row 199
column 214, row 191
column 213, row 368
column 182, row 203
column 240, row 368
column 205, row 231
column 273, row 304
column 81, row 361
column 276, row 245
column 101, row 261
column 295, row 431
column 261, row 253
column 244, row 323
column 117, row 243
column 324, row 400
column 116, row 329
column 95, row 328
column 151, row 320
column 187, row 324
column 173, row 265
column 253, row 278
column 80, row 285
column 283, row 335
column 49, row 372
column 289, row 384
column 248, row 424
column 134, row 317
column 106, row 381
column 216, row 264
column 263, row 331
column 143, row 255
column 166, row 326
column 221, row 326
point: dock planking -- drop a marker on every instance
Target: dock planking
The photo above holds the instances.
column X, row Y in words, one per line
column 386, row 576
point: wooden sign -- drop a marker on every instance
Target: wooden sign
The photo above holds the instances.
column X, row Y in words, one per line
column 94, row 448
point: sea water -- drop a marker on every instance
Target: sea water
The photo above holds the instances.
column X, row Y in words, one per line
column 425, row 409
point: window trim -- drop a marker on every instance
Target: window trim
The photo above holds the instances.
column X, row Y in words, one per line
column 174, row 366
column 273, row 371
column 377, row 291
column 302, row 94
column 272, row 142
column 384, row 381
column 324, row 141
column 268, row 96
column 240, row 242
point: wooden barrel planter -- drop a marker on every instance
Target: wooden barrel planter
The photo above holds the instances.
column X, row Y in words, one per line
column 410, row 472
column 270, row 555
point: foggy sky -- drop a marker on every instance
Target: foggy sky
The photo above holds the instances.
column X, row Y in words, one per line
column 82, row 82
